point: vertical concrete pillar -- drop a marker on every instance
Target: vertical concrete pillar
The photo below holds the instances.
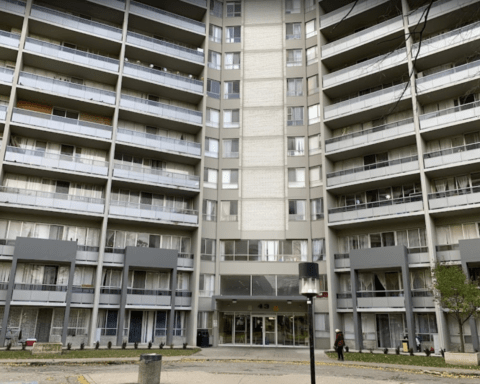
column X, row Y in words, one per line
column 171, row 318
column 357, row 317
column 408, row 302
column 6, row 311
column 66, row 317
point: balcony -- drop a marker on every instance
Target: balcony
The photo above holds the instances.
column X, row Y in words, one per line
column 76, row 23
column 159, row 77
column 71, row 55
column 344, row 301
column 152, row 212
column 117, row 4
column 265, row 258
column 13, row 6
column 82, row 295
column 381, row 133
column 380, row 299
column 59, row 87
column 56, row 161
column 166, row 111
column 87, row 254
column 47, row 200
column 110, row 296
column 448, row 253
column 365, row 36
column 6, row 75
column 200, row 3
column 339, row 14
column 373, row 171
column 183, row 299
column 148, row 297
column 61, row 124
column 438, row 8
column 160, row 143
column 342, row 260
column 7, row 247
column 156, row 176
column 185, row 260
column 376, row 209
column 417, row 256
column 3, row 112
column 422, row 299
column 454, row 198
column 450, row 116
column 166, row 48
column 3, row 292
column 9, row 39
column 370, row 100
column 461, row 154
column 40, row 293
column 165, row 17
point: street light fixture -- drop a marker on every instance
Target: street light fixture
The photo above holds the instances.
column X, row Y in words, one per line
column 309, row 286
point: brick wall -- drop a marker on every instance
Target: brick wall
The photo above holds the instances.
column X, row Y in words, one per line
column 35, row 107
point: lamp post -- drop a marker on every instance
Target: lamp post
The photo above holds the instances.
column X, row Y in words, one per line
column 309, row 286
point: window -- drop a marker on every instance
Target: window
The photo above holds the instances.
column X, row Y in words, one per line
column 229, row 210
column 451, row 234
column 230, row 179
column 293, row 31
column 231, row 89
column 296, row 210
column 64, row 113
column 294, row 116
column 314, row 114
column 318, row 249
column 296, row 146
column 323, row 280
column 310, row 29
column 312, row 55
column 314, row 144
column 294, row 57
column 231, row 118
column 206, row 285
column 161, row 323
column 309, row 5
column 214, row 60
column 234, row 8
column 232, row 60
column 209, row 210
column 78, row 322
column 296, row 177
column 208, row 249
column 216, row 8
column 211, row 147
column 292, row 6
column 316, row 208
column 233, row 34
column 316, row 176
column 107, row 321
column 376, row 161
column 213, row 88
column 295, row 87
column 263, row 250
column 215, row 33
column 179, row 323
column 312, row 83
column 213, row 118
column 230, row 149
column 205, row 321
column 426, row 326
column 211, row 178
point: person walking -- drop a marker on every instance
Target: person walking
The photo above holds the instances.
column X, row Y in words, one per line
column 339, row 344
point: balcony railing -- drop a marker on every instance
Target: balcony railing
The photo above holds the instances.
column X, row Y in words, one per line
column 158, row 142
column 438, row 8
column 231, row 96
column 149, row 292
column 391, row 207
column 454, row 198
column 6, row 75
column 157, row 176
column 162, row 16
column 296, row 152
column 51, row 200
column 152, row 212
column 294, row 36
column 450, row 115
column 200, row 3
column 60, row 87
column 381, row 169
column 423, row 299
column 10, row 39
column 448, row 253
column 39, row 293
column 13, row 6
column 230, row 155
column 118, row 4
column 342, row 260
column 338, row 14
column 3, row 112
column 71, row 55
column 185, row 260
column 62, row 124
column 344, row 300
column 461, row 153
column 148, row 297
column 56, row 161
column 75, row 22
column 82, row 294
column 163, row 110
column 294, row 93
column 267, row 258
column 294, row 122
column 164, row 47
column 161, row 77
column 183, row 299
column 381, row 299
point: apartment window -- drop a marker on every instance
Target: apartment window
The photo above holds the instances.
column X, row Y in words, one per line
column 213, row 118
column 78, row 322
column 316, row 207
column 314, row 114
column 263, row 250
column 211, row 147
column 233, row 34
column 214, row 60
column 310, row 29
column 313, row 86
column 312, row 55
column 295, row 87
column 230, row 148
column 294, row 57
column 316, row 176
column 179, row 325
column 229, row 210
column 293, row 31
column 376, row 161
column 215, row 33
column 232, row 60
column 206, row 285
column 64, row 113
column 295, row 116
column 234, row 8
column 292, row 6
column 216, row 8
column 231, row 89
column 231, row 118
column 318, row 249
column 210, row 178
column 296, row 177
column 296, row 146
column 296, row 210
column 309, row 5
column 213, row 88
column 209, row 210
column 107, row 321
column 208, row 249
column 205, row 321
column 426, row 326
column 314, row 144
column 230, row 179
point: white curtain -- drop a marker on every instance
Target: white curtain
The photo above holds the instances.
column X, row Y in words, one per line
column 440, row 185
column 443, row 235
column 164, row 280
column 5, row 269
column 183, row 281
column 62, row 277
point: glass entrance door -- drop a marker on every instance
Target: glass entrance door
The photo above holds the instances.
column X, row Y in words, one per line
column 264, row 330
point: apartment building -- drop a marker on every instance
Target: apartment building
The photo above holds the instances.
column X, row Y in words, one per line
column 165, row 166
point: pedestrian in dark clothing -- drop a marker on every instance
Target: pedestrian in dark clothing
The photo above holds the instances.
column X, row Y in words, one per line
column 339, row 344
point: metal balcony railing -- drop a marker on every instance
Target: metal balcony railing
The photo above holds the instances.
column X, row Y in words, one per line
column 386, row 293
column 82, row 289
column 296, row 217
column 268, row 258
column 296, row 152
column 231, row 218
column 10, row 39
column 231, row 96
column 454, row 198
column 337, row 15
column 384, row 203
column 200, row 3
column 13, row 6
column 294, row 93
column 118, row 4
column 41, row 287
column 6, row 75
column 449, row 151
column 462, row 112
column 149, row 292
column 438, row 7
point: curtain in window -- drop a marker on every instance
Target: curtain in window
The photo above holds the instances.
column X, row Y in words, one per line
column 365, row 281
column 462, row 182
column 440, row 185
column 5, row 271
column 443, row 235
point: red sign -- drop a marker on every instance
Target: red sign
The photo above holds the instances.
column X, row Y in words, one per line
column 322, row 295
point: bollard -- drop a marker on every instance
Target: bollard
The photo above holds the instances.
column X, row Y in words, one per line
column 149, row 369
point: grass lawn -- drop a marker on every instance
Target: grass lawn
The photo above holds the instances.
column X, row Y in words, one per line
column 101, row 353
column 423, row 361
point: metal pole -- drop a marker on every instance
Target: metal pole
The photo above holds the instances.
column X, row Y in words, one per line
column 310, row 331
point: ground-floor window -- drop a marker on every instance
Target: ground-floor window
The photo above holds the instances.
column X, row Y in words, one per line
column 57, row 321
column 322, row 325
column 179, row 324
column 161, row 324
column 107, row 321
column 390, row 330
column 78, row 322
column 426, row 326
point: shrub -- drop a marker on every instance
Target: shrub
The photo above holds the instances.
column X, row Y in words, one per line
column 135, row 345
column 97, row 345
column 161, row 345
column 397, row 351
column 150, row 345
column 82, row 346
column 442, row 351
column 360, row 350
column 124, row 345
column 171, row 346
column 371, row 350
column 9, row 346
column 385, row 351
column 410, row 351
column 109, row 345
column 185, row 345
column 346, row 348
column 69, row 346
column 24, row 346
column 427, row 352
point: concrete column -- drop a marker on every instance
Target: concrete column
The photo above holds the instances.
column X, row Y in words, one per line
column 357, row 317
column 408, row 303
column 66, row 317
column 123, row 303
column 171, row 316
column 6, row 311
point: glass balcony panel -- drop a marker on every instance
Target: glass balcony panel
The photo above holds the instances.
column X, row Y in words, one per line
column 380, row 299
column 454, row 198
column 82, row 295
column 450, row 115
column 148, row 297
column 183, row 299
column 340, row 13
column 10, row 39
column 39, row 293
column 448, row 253
column 463, row 153
column 185, row 260
column 342, row 260
column 118, row 4
column 110, row 296
column 13, row 6
column 6, row 75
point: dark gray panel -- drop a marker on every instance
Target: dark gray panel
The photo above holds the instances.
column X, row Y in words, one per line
column 150, row 258
column 45, row 250
column 469, row 250
column 385, row 257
